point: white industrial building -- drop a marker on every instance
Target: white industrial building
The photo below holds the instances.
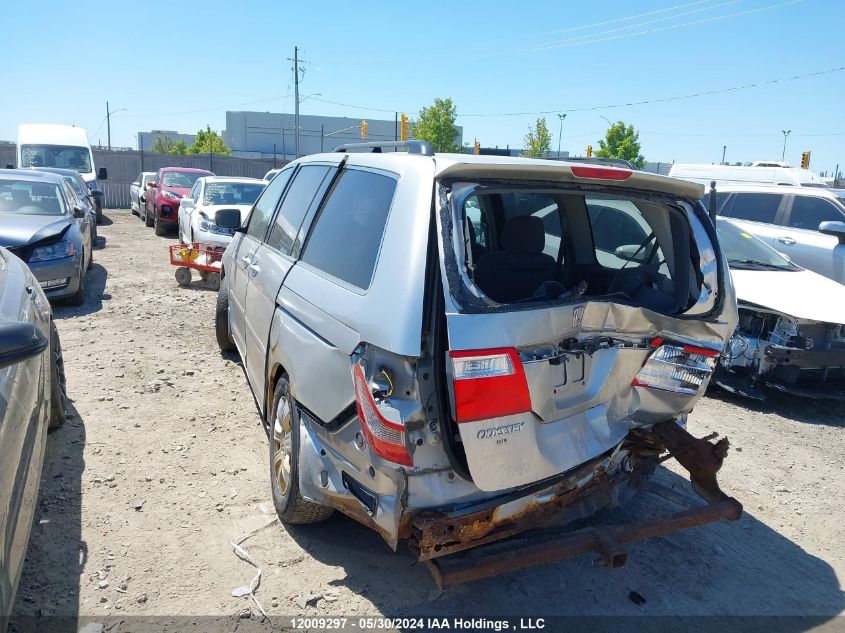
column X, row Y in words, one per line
column 265, row 134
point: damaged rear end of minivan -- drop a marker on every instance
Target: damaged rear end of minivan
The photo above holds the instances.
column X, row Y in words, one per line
column 578, row 318
column 572, row 316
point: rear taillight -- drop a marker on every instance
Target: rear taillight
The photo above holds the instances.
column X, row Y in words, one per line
column 680, row 369
column 601, row 173
column 386, row 438
column 488, row 383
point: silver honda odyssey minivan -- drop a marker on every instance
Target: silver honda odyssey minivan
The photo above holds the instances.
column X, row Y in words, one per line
column 452, row 349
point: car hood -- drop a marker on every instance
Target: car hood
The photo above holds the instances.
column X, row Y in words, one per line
column 180, row 191
column 802, row 294
column 17, row 230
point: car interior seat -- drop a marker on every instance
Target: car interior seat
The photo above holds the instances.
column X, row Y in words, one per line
column 21, row 198
column 521, row 267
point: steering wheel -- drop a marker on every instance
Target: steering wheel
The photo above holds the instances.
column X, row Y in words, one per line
column 629, row 281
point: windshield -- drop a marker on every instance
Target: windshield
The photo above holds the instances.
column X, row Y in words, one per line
column 181, row 179
column 24, row 197
column 77, row 187
column 745, row 251
column 232, row 192
column 65, row 156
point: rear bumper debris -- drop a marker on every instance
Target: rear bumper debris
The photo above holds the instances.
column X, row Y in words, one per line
column 438, row 537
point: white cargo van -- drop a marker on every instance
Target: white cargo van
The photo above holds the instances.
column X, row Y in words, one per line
column 737, row 175
column 67, row 146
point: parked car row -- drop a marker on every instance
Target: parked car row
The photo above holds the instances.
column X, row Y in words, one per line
column 186, row 199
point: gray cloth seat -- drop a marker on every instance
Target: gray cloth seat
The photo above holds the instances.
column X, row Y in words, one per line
column 521, row 267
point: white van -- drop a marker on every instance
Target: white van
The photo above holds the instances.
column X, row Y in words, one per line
column 736, row 175
column 67, row 146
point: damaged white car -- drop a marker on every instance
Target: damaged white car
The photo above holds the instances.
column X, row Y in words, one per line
column 791, row 333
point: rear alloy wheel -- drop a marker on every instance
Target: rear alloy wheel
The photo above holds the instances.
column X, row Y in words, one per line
column 148, row 221
column 221, row 318
column 284, row 469
column 58, row 385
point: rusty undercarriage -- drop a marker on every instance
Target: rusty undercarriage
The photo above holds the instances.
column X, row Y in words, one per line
column 438, row 538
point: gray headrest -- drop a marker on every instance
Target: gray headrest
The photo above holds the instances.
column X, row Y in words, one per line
column 524, row 234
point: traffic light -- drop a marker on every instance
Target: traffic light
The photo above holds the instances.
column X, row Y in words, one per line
column 805, row 160
column 364, row 130
column 477, row 148
column 589, row 151
column 403, row 127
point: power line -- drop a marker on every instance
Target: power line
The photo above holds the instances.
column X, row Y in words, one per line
column 693, row 95
column 213, row 109
column 649, row 31
column 590, row 36
column 625, row 19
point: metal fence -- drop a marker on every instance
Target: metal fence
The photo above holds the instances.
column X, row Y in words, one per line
column 125, row 166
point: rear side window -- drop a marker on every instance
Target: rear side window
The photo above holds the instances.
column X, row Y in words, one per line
column 622, row 236
column 346, row 237
column 301, row 194
column 808, row 212
column 266, row 204
column 757, row 207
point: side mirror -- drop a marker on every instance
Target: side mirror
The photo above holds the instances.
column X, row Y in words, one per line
column 228, row 219
column 102, row 174
column 629, row 252
column 186, row 203
column 136, row 184
column 20, row 341
column 9, row 166
column 96, row 193
column 78, row 211
column 835, row 228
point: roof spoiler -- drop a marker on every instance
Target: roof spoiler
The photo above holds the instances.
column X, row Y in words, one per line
column 414, row 147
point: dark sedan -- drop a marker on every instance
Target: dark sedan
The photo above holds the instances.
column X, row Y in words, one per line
column 43, row 222
column 80, row 188
column 32, row 398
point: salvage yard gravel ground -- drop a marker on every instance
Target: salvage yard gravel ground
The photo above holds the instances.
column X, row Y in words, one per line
column 162, row 466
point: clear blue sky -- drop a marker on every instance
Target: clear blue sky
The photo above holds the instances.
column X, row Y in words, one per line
column 164, row 61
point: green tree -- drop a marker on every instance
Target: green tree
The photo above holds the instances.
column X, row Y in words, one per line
column 208, row 141
column 622, row 141
column 165, row 145
column 538, row 141
column 436, row 124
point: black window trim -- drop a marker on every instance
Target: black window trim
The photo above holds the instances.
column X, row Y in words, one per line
column 728, row 205
column 326, row 275
column 263, row 240
column 787, row 211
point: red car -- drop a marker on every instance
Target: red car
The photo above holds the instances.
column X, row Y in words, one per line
column 161, row 203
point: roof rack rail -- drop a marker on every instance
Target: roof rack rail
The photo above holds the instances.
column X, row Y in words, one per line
column 414, row 147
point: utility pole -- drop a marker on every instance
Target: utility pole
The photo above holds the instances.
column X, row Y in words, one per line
column 785, row 134
column 724, row 149
column 108, row 124
column 295, row 61
column 560, row 133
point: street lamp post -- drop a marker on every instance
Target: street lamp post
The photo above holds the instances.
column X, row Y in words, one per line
column 560, row 132
column 785, row 134
column 108, row 122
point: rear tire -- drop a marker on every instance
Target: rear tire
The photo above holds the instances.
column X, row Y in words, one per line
column 160, row 229
column 148, row 221
column 58, row 386
column 221, row 318
column 284, row 467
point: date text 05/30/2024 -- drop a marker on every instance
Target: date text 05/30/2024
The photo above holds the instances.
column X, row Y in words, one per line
column 423, row 624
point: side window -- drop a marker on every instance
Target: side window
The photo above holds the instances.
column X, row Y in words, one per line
column 194, row 194
column 302, row 193
column 346, row 238
column 259, row 218
column 808, row 212
column 619, row 234
column 757, row 207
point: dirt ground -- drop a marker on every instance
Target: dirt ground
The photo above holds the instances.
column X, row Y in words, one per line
column 164, row 463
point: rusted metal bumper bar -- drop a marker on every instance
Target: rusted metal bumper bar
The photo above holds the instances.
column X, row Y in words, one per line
column 608, row 542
